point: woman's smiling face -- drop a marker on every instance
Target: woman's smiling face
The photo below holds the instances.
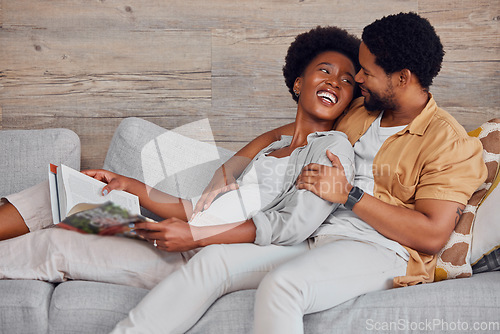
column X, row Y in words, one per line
column 327, row 85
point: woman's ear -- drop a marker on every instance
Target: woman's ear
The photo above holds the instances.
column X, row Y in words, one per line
column 297, row 86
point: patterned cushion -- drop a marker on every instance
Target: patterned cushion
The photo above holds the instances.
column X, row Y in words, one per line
column 485, row 250
column 454, row 259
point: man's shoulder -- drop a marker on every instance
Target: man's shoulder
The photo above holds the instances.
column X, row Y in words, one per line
column 443, row 122
column 356, row 120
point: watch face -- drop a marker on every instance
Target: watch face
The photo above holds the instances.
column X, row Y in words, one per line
column 354, row 196
column 357, row 193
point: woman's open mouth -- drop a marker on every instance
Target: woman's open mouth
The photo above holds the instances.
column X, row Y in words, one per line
column 327, row 97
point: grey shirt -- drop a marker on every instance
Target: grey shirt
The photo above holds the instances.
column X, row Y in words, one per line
column 295, row 214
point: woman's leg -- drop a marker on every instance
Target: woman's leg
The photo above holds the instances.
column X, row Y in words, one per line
column 57, row 255
column 11, row 222
column 28, row 210
column 320, row 279
column 180, row 300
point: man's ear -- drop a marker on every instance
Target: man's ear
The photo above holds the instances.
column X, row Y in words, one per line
column 405, row 76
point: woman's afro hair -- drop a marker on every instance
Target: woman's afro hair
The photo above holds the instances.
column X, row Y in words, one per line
column 310, row 44
column 405, row 41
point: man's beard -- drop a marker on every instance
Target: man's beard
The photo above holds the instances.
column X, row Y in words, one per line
column 377, row 102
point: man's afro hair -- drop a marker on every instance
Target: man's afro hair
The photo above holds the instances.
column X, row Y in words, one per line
column 405, row 41
column 310, row 44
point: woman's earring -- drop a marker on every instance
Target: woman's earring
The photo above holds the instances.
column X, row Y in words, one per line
column 297, row 93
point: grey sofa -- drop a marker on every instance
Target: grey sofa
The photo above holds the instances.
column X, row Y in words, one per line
column 27, row 306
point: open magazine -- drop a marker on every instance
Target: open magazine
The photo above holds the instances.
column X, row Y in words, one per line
column 103, row 219
column 77, row 204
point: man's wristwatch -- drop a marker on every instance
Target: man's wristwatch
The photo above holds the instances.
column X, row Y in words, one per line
column 354, row 197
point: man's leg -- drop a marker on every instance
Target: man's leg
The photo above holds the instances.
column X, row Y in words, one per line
column 181, row 299
column 320, row 279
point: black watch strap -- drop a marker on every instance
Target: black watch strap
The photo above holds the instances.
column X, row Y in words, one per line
column 354, row 197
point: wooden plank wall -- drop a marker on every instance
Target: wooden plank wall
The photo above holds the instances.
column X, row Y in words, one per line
column 87, row 64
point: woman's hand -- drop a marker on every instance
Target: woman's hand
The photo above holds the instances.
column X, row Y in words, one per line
column 172, row 234
column 220, row 183
column 329, row 183
column 114, row 181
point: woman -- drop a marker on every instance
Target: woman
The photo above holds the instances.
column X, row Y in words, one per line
column 319, row 71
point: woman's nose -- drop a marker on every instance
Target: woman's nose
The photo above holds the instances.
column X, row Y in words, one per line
column 333, row 81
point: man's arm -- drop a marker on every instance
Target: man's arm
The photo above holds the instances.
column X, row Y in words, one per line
column 426, row 229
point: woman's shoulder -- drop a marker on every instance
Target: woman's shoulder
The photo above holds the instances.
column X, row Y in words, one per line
column 332, row 140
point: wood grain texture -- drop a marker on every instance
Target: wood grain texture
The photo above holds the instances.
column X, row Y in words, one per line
column 87, row 64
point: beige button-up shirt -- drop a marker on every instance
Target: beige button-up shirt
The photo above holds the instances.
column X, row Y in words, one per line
column 432, row 158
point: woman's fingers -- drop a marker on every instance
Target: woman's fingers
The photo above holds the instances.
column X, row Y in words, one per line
column 114, row 184
column 207, row 198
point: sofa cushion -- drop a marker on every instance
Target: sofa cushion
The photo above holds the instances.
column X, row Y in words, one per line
column 24, row 306
column 25, row 156
column 433, row 305
column 454, row 259
column 90, row 307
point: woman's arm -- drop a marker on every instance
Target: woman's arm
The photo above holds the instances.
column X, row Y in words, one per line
column 224, row 178
column 156, row 201
column 175, row 235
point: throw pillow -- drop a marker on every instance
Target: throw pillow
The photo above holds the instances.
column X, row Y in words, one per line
column 485, row 251
column 454, row 259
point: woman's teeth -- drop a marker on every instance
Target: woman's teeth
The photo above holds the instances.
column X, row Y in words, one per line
column 329, row 96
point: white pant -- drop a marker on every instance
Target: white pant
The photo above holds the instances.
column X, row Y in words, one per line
column 291, row 281
column 56, row 255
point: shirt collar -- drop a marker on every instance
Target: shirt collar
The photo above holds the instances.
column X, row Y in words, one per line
column 312, row 135
column 287, row 140
column 421, row 122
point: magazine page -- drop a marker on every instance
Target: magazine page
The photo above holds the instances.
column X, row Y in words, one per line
column 103, row 219
column 81, row 188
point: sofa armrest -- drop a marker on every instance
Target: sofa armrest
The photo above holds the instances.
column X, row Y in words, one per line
column 26, row 154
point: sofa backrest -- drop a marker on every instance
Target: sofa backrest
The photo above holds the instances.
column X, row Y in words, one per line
column 172, row 161
column 25, row 156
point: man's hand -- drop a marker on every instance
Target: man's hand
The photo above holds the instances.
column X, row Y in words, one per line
column 329, row 183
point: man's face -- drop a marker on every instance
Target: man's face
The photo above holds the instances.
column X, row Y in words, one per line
column 376, row 86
